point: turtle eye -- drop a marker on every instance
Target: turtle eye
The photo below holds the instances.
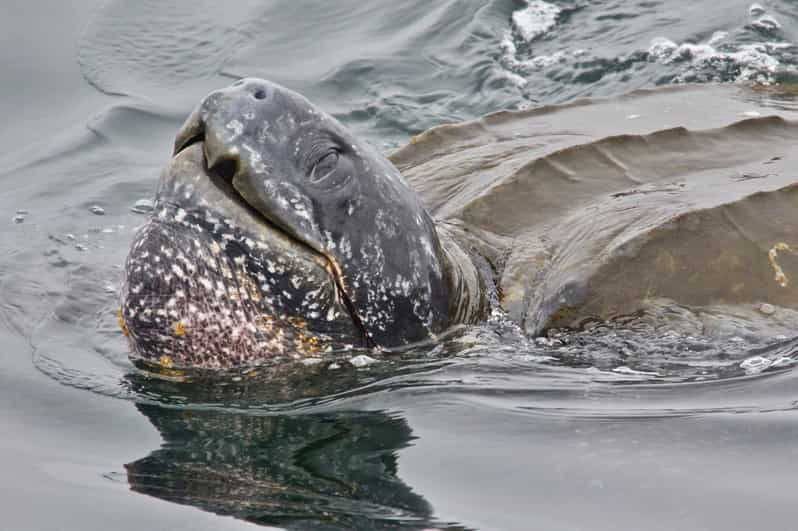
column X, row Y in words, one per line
column 324, row 167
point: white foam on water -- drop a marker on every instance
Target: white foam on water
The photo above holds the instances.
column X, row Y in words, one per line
column 756, row 61
column 535, row 20
column 541, row 62
column 755, row 365
column 507, row 46
column 515, row 79
column 662, row 48
column 718, row 59
column 528, row 24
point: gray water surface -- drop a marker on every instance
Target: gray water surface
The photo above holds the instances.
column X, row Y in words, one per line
column 611, row 428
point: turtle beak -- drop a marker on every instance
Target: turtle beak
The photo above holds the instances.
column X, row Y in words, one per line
column 192, row 131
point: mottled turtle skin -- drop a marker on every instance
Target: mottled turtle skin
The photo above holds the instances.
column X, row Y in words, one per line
column 277, row 234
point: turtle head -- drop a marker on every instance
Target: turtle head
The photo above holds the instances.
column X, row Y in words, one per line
column 333, row 213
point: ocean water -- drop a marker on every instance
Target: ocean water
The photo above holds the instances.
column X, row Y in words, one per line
column 617, row 426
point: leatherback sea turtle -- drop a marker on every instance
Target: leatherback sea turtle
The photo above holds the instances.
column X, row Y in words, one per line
column 278, row 233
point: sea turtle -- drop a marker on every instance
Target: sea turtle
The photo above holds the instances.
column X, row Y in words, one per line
column 277, row 233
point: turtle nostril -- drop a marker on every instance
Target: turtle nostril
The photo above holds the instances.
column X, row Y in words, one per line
column 225, row 168
column 259, row 94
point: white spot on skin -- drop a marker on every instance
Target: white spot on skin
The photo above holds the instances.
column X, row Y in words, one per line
column 331, row 314
column 178, row 271
column 255, row 161
column 346, row 248
column 301, row 209
column 236, row 127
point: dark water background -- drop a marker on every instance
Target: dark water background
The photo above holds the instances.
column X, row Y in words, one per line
column 489, row 431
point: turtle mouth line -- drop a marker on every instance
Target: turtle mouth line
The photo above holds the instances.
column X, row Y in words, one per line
column 221, row 175
column 188, row 142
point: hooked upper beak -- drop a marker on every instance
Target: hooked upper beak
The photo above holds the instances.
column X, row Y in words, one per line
column 192, row 131
column 219, row 154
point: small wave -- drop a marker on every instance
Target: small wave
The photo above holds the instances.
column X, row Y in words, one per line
column 146, row 49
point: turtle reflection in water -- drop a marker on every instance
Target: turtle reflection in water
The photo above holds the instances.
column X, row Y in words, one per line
column 316, row 471
column 277, row 234
column 279, row 466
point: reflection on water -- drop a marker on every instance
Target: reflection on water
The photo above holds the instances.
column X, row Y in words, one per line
column 315, row 471
column 333, row 462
